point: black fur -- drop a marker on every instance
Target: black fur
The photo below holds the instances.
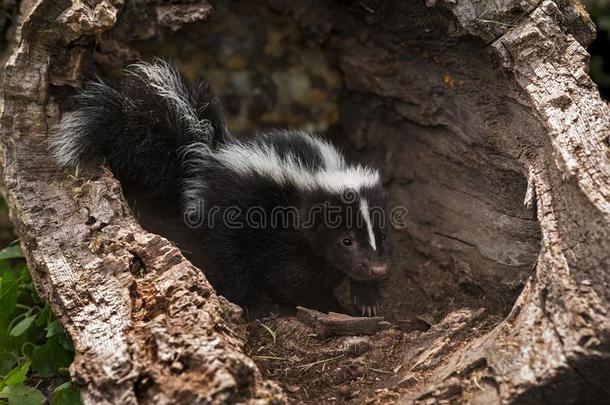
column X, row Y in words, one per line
column 147, row 139
column 136, row 133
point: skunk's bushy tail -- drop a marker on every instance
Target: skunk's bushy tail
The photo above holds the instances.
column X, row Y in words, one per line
column 140, row 126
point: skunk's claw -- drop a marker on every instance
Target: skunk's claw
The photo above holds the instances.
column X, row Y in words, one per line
column 368, row 310
column 365, row 297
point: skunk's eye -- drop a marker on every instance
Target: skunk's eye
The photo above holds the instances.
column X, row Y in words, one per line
column 347, row 242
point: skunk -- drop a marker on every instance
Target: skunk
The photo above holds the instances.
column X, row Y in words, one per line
column 282, row 213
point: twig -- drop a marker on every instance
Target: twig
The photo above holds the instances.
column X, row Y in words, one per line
column 305, row 367
column 496, row 22
column 381, row 371
column 269, row 358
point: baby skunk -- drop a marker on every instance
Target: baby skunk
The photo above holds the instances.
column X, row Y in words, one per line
column 282, row 213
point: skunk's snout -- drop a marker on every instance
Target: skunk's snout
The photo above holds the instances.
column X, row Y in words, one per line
column 378, row 270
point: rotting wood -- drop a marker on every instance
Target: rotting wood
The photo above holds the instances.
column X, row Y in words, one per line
column 326, row 325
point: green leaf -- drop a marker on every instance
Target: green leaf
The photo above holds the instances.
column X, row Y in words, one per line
column 8, row 361
column 64, row 371
column 23, row 325
column 8, row 295
column 50, row 357
column 13, row 267
column 16, row 375
column 66, row 394
column 62, row 386
column 8, row 304
column 22, row 395
column 11, row 252
column 44, row 317
column 36, row 298
column 24, row 273
column 54, row 329
column 66, row 343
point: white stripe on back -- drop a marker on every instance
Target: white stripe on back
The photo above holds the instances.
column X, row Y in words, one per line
column 330, row 155
column 262, row 159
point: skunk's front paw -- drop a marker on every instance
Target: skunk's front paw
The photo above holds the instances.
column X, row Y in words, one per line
column 365, row 297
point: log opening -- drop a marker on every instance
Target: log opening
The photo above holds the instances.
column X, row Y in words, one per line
column 469, row 236
column 441, row 121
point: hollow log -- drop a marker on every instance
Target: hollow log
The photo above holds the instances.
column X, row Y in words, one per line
column 489, row 130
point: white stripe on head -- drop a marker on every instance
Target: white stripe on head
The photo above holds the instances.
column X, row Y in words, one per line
column 166, row 82
column 364, row 209
column 349, row 178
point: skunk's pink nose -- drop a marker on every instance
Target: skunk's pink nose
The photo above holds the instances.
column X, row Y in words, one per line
column 378, row 270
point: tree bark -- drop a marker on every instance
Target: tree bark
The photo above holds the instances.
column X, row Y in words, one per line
column 485, row 112
column 146, row 325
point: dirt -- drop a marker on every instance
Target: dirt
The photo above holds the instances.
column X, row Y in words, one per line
column 374, row 369
column 347, row 369
column 431, row 319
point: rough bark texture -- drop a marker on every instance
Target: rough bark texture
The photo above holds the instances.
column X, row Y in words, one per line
column 490, row 132
column 146, row 325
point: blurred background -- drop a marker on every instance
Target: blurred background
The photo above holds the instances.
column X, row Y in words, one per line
column 600, row 48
